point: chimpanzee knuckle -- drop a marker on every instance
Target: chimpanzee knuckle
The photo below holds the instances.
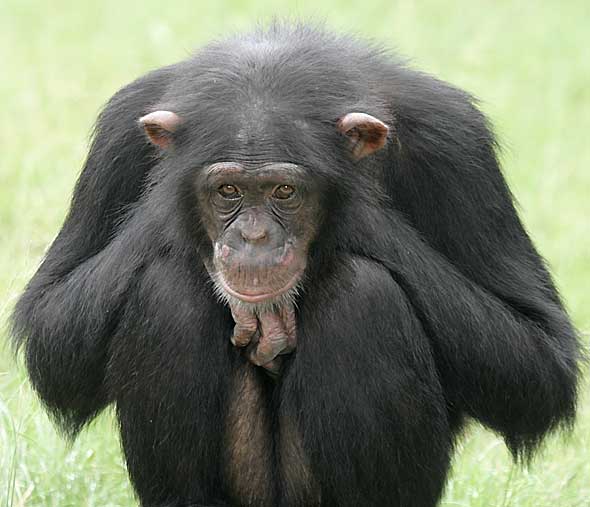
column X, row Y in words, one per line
column 241, row 339
column 275, row 344
column 269, row 348
column 266, row 350
column 278, row 339
column 247, row 335
column 253, row 358
column 249, row 326
column 259, row 357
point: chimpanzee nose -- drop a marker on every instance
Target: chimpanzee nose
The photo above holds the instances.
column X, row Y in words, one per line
column 253, row 227
column 254, row 234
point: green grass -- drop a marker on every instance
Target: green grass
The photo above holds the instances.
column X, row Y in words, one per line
column 529, row 62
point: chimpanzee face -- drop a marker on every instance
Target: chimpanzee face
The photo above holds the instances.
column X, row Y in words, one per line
column 261, row 220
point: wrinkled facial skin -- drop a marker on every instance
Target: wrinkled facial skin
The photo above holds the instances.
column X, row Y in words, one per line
column 261, row 221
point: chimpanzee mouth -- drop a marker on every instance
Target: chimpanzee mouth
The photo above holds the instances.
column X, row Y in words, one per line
column 259, row 297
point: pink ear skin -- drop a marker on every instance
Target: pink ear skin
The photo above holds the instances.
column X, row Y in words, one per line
column 367, row 134
column 159, row 127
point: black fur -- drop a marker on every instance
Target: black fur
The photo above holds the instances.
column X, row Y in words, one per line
column 424, row 301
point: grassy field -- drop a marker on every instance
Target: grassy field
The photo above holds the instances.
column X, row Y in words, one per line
column 528, row 61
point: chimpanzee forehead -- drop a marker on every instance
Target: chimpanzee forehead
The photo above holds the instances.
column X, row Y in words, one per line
column 256, row 134
column 241, row 167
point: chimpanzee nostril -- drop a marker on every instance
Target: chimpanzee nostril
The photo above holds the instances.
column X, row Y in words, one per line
column 254, row 235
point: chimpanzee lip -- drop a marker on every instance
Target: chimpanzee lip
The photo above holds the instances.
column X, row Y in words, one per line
column 264, row 296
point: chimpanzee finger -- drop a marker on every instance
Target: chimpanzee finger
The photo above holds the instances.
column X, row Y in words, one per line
column 242, row 335
column 289, row 324
column 273, row 339
column 267, row 349
column 245, row 328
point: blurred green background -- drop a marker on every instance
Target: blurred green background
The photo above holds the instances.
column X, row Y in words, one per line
column 528, row 61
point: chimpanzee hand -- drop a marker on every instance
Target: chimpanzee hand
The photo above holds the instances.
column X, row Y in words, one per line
column 265, row 335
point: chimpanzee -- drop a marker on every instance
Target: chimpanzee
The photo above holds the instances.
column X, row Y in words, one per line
column 294, row 267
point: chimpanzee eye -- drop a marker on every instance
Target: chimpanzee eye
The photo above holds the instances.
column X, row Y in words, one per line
column 229, row 192
column 283, row 192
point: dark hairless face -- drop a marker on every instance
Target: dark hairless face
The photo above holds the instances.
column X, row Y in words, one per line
column 260, row 221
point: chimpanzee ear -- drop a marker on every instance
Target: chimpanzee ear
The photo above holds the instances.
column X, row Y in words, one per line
column 367, row 134
column 159, row 127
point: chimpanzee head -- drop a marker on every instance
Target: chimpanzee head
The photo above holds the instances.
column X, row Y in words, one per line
column 261, row 216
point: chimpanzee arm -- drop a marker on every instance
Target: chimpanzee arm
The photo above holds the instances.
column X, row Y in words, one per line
column 515, row 372
column 64, row 328
column 365, row 393
column 69, row 308
column 446, row 180
column 503, row 341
